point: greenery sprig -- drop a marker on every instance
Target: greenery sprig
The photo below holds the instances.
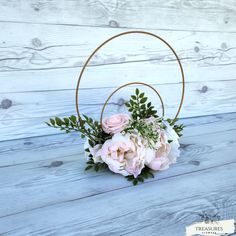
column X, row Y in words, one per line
column 139, row 107
column 95, row 166
column 144, row 129
column 87, row 128
column 177, row 128
column 145, row 174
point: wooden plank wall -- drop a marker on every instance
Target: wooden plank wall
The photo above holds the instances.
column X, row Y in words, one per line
column 43, row 45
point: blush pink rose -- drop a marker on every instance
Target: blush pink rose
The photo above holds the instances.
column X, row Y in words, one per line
column 115, row 123
column 124, row 154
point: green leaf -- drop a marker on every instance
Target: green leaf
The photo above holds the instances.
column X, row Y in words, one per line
column 73, row 119
column 91, row 143
column 143, row 106
column 96, row 168
column 145, row 175
column 137, row 91
column 88, row 167
column 133, row 97
column 130, row 177
column 140, row 179
column 127, row 104
column 151, row 174
column 153, row 112
column 52, row 121
column 90, row 161
column 133, row 103
column 143, row 100
column 66, row 121
column 135, row 182
column 58, row 121
column 141, row 95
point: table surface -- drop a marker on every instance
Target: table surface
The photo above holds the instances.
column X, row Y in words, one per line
column 45, row 190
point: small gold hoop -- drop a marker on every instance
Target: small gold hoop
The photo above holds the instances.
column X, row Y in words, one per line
column 116, row 36
column 128, row 84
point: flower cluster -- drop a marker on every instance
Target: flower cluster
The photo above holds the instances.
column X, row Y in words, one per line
column 132, row 145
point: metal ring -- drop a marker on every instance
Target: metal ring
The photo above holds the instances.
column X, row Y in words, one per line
column 140, row 83
column 116, row 36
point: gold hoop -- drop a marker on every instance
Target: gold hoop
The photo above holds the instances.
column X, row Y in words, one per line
column 122, row 86
column 116, row 36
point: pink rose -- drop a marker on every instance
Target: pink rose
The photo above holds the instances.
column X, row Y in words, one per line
column 115, row 123
column 124, row 154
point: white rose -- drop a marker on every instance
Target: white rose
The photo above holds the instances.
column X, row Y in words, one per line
column 95, row 151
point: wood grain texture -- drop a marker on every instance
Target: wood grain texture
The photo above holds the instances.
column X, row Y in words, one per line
column 28, row 111
column 207, row 15
column 41, row 47
column 52, row 195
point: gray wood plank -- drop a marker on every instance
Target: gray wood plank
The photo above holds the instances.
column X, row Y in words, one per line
column 46, row 184
column 26, row 150
column 43, row 47
column 207, row 15
column 160, row 206
column 28, row 111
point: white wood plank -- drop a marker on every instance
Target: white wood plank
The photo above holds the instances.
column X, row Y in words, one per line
column 29, row 110
column 61, row 172
column 207, row 15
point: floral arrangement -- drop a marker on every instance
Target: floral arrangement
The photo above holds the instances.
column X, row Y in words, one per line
column 132, row 145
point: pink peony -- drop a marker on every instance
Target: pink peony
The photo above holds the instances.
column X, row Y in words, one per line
column 165, row 153
column 115, row 123
column 160, row 161
column 124, row 154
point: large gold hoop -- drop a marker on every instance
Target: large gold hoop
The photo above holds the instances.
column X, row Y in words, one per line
column 116, row 36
